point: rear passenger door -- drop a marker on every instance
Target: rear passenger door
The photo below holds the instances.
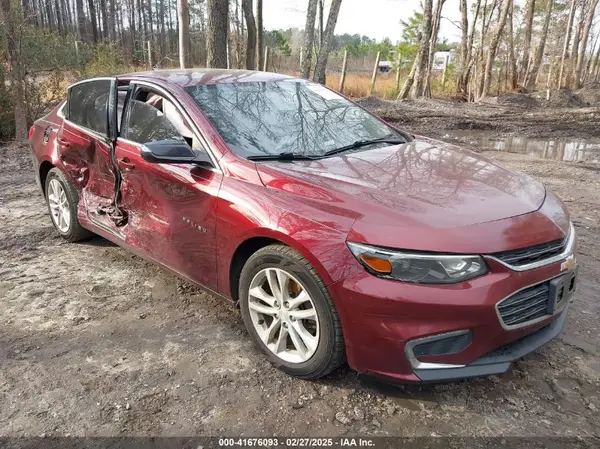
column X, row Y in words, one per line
column 85, row 143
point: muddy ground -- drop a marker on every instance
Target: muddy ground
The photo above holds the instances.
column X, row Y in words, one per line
column 96, row 341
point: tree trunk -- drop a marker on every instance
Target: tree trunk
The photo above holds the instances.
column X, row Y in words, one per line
column 218, row 30
column 81, row 25
column 251, row 40
column 12, row 38
column 464, row 48
column 151, row 35
column 49, row 14
column 92, row 9
column 512, row 61
column 589, row 17
column 260, row 44
column 59, row 21
column 321, row 66
column 437, row 17
column 104, row 10
column 414, row 82
column 112, row 21
column 576, row 41
column 531, row 77
column 491, row 55
column 525, row 56
column 309, row 38
column 162, row 38
column 565, row 52
column 423, row 54
column 183, row 16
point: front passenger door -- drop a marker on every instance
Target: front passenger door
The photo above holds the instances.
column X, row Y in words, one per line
column 171, row 208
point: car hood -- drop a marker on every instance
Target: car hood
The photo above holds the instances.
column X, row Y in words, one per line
column 423, row 184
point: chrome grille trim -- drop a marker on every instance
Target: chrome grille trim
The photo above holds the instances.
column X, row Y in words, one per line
column 567, row 251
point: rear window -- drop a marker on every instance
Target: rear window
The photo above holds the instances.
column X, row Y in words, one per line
column 87, row 105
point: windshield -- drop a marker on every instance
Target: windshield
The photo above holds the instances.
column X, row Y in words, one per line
column 291, row 116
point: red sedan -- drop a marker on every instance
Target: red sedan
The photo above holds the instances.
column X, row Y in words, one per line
column 341, row 237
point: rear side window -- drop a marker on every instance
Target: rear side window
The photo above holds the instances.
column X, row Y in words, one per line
column 88, row 104
column 145, row 123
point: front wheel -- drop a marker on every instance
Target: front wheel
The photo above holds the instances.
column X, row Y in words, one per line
column 289, row 314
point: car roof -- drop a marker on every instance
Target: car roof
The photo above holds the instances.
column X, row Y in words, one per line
column 197, row 77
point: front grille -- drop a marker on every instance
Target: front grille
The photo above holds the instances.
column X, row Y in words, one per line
column 526, row 305
column 532, row 254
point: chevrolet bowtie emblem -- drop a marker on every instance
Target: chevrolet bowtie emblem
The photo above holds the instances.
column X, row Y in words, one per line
column 569, row 263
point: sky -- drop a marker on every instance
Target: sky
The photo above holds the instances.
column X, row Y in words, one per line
column 377, row 19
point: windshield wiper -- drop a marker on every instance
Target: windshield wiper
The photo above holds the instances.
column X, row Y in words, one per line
column 280, row 157
column 364, row 143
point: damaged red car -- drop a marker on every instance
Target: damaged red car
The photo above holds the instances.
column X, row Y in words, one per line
column 340, row 237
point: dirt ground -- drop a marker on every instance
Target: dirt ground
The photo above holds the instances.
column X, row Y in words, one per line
column 96, row 341
column 517, row 115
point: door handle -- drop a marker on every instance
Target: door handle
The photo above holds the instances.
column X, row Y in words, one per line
column 126, row 164
column 63, row 142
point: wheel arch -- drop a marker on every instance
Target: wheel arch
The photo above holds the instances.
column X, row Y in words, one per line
column 45, row 168
column 252, row 244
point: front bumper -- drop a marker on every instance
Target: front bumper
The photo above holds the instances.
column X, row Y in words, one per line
column 499, row 360
column 381, row 318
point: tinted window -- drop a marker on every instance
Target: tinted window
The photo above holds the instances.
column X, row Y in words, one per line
column 287, row 116
column 145, row 123
column 87, row 105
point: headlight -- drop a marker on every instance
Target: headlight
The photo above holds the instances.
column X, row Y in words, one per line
column 420, row 268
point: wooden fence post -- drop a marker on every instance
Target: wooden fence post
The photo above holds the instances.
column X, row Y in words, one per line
column 549, row 81
column 77, row 51
column 266, row 65
column 344, row 66
column 446, row 60
column 149, row 55
column 374, row 77
column 399, row 66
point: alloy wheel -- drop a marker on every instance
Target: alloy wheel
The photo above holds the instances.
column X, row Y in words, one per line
column 59, row 206
column 284, row 315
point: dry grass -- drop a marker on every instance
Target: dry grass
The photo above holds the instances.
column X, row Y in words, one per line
column 357, row 85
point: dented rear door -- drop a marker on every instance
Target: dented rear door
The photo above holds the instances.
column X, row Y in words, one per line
column 85, row 143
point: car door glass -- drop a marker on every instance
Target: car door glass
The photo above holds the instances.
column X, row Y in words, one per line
column 146, row 123
column 87, row 105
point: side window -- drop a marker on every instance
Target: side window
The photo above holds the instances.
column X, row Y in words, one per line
column 145, row 123
column 87, row 105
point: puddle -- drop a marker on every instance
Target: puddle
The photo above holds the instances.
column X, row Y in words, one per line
column 568, row 150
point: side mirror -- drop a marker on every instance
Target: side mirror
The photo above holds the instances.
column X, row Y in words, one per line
column 168, row 152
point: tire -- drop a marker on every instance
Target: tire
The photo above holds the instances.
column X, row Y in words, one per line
column 70, row 229
column 330, row 348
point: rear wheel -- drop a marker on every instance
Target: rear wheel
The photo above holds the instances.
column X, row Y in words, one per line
column 289, row 314
column 62, row 200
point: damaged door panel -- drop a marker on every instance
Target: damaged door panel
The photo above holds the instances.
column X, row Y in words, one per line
column 86, row 147
column 171, row 208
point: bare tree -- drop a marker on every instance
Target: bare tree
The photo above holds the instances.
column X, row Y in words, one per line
column 493, row 47
column 309, row 38
column 565, row 52
column 414, row 82
column 512, row 61
column 534, row 67
column 437, row 17
column 218, row 29
column 525, row 55
column 251, row 39
column 12, row 37
column 589, row 17
column 464, row 47
column 321, row 66
column 260, row 44
column 183, row 16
